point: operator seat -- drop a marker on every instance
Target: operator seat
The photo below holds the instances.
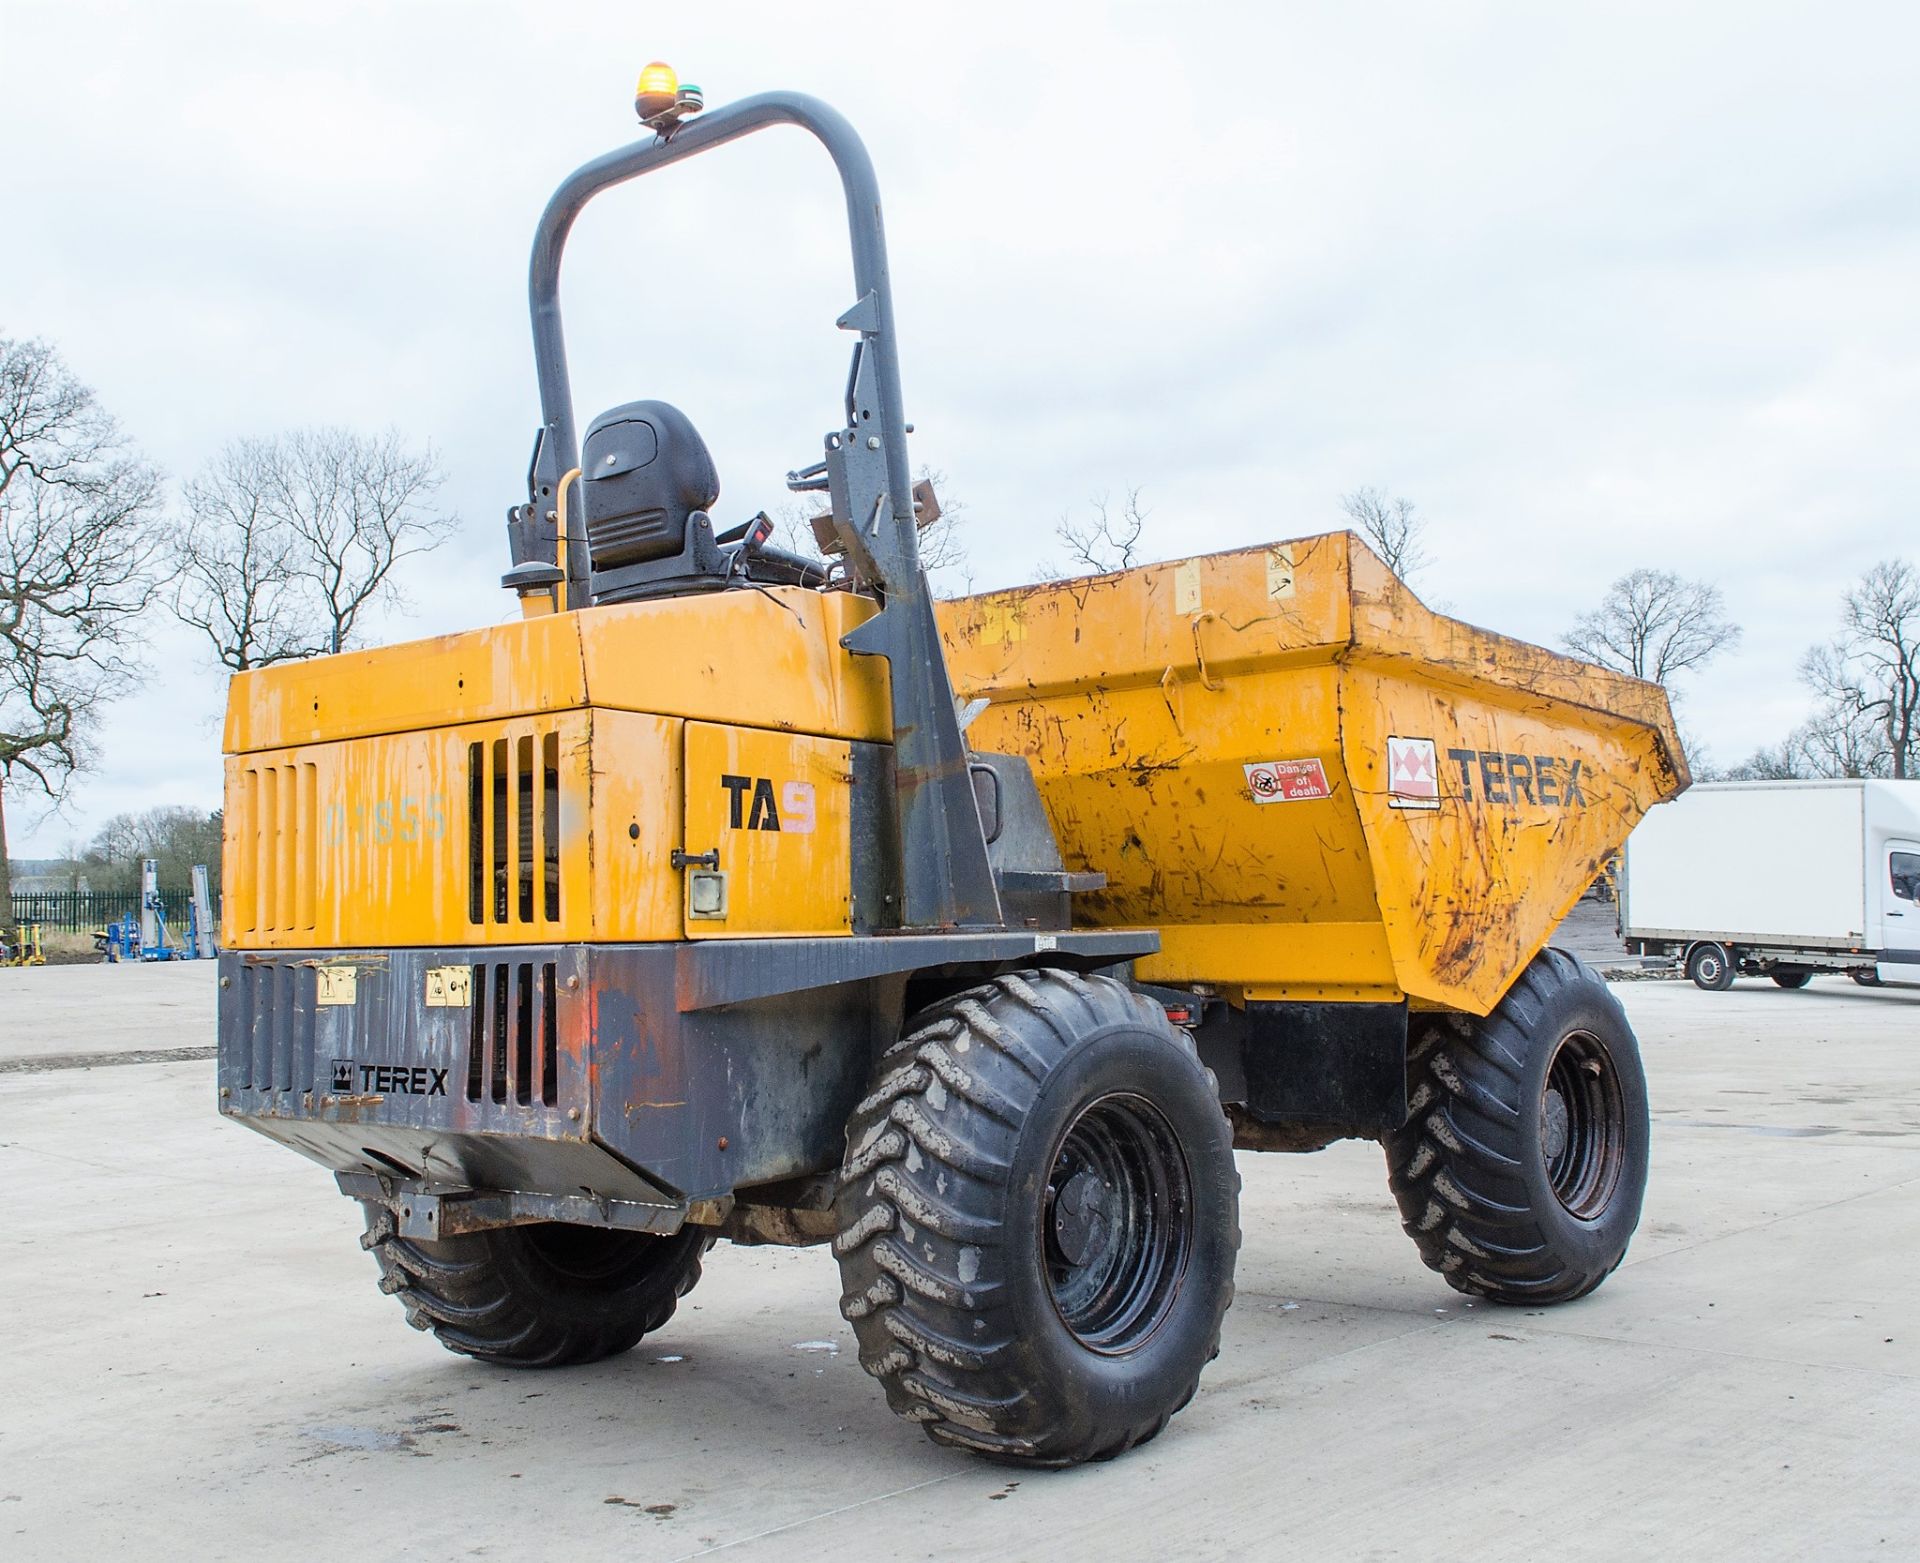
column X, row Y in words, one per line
column 646, row 485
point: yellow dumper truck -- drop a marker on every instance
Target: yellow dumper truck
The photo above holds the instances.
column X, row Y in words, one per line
column 733, row 893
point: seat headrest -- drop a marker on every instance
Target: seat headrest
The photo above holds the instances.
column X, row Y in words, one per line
column 643, row 471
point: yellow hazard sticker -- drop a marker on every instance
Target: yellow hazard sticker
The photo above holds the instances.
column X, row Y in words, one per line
column 336, row 984
column 449, row 987
column 1279, row 573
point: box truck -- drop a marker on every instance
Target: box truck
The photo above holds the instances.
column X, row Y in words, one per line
column 1779, row 879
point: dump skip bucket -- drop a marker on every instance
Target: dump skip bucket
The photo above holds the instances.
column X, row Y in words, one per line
column 1312, row 784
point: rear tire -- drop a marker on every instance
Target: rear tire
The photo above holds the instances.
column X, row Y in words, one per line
column 541, row 1296
column 1038, row 1216
column 1521, row 1171
column 1791, row 976
column 1710, row 967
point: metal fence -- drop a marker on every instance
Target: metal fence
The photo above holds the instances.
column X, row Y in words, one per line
column 82, row 911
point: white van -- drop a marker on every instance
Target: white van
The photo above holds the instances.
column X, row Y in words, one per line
column 1779, row 879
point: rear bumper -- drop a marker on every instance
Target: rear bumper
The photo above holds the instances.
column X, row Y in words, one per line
column 346, row 1057
column 646, row 1077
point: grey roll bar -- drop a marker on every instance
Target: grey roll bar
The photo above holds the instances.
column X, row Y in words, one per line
column 947, row 880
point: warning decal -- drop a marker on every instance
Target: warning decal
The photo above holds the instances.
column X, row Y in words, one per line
column 1413, row 774
column 1287, row 781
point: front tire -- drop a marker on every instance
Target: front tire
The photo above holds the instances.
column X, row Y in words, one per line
column 539, row 1296
column 1038, row 1217
column 1710, row 967
column 1521, row 1171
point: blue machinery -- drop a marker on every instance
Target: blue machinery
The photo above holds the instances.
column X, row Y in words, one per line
column 148, row 938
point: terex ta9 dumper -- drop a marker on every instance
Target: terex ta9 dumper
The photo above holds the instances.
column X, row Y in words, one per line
column 731, row 893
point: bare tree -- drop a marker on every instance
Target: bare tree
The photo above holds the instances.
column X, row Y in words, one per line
column 1867, row 679
column 78, row 540
column 292, row 539
column 176, row 838
column 115, row 848
column 1653, row 624
column 1110, row 539
column 236, row 564
column 1784, row 761
column 1837, row 741
column 358, row 506
column 1390, row 525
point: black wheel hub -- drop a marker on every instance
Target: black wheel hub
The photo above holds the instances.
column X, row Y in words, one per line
column 1583, row 1126
column 1083, row 1216
column 1117, row 1223
column 1553, row 1124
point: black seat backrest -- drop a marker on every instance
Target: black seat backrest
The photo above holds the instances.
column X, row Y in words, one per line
column 643, row 471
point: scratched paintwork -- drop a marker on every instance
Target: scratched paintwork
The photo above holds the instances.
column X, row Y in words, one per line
column 1139, row 697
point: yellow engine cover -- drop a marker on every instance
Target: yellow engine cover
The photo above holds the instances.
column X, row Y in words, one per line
column 532, row 782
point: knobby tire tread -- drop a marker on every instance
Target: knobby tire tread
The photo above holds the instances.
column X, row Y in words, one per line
column 930, row 1149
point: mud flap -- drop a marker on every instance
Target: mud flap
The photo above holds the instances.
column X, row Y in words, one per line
column 1330, row 1064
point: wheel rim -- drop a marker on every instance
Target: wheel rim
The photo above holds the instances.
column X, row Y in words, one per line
column 1583, row 1126
column 1116, row 1223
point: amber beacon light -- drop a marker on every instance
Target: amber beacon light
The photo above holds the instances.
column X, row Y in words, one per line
column 661, row 100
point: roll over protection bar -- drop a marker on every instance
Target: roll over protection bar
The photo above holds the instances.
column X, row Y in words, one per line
column 947, row 881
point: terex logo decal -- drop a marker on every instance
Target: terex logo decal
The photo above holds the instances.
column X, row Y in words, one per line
column 1413, row 774
column 796, row 803
column 1552, row 781
column 389, row 1079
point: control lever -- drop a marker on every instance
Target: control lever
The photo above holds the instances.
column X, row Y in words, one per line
column 751, row 535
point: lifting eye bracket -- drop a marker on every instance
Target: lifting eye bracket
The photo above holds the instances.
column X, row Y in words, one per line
column 1207, row 680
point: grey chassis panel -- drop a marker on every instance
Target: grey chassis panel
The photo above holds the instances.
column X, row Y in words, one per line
column 731, row 971
column 676, row 1075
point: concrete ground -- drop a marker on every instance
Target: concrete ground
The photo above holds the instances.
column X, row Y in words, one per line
column 199, row 1365
column 1591, row 931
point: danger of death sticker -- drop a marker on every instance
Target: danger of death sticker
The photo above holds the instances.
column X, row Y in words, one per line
column 1287, row 781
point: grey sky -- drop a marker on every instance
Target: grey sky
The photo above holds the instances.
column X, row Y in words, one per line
column 1597, row 286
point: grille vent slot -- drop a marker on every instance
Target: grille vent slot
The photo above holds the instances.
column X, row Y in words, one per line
column 513, row 830
column 275, row 891
column 276, row 1028
column 512, row 1034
